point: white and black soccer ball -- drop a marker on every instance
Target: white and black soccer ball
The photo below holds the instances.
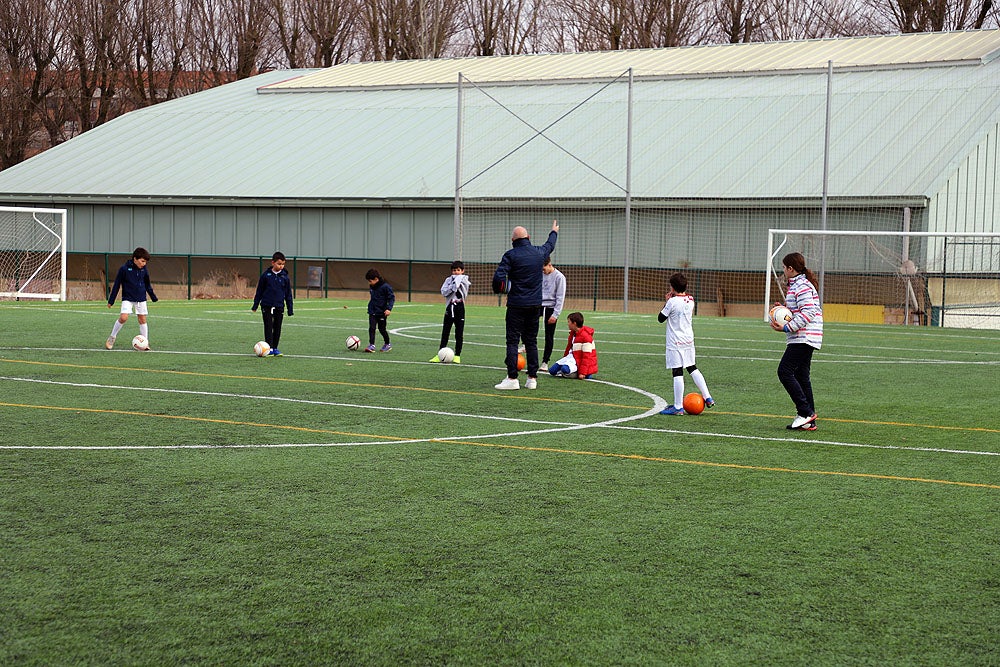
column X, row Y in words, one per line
column 352, row 343
column 140, row 343
column 446, row 355
column 261, row 348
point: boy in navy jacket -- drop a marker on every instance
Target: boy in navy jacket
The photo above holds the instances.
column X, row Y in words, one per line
column 274, row 290
column 379, row 307
column 133, row 280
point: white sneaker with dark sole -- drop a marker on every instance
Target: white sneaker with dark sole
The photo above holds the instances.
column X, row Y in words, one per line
column 801, row 422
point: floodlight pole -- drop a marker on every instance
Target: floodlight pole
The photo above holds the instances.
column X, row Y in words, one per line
column 628, row 188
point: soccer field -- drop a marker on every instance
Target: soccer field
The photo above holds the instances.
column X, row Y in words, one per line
column 196, row 503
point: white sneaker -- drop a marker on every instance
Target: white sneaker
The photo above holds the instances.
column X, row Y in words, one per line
column 531, row 383
column 544, row 367
column 508, row 383
column 799, row 422
column 110, row 342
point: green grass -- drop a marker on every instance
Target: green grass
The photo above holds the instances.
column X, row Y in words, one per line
column 188, row 505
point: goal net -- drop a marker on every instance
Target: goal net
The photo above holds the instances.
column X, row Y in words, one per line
column 32, row 253
column 886, row 277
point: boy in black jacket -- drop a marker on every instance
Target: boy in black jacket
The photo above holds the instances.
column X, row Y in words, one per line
column 274, row 290
column 133, row 280
column 379, row 307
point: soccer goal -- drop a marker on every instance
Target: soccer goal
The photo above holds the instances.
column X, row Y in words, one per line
column 32, row 253
column 884, row 277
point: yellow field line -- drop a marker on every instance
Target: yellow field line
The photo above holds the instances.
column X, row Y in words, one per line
column 737, row 466
column 322, row 382
column 517, row 395
column 554, row 450
column 229, row 422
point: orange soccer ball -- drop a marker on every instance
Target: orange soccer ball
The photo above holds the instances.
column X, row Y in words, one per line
column 521, row 362
column 694, row 404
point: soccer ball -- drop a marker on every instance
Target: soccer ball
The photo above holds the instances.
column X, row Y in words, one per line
column 140, row 343
column 694, row 404
column 779, row 315
column 352, row 343
column 521, row 362
column 446, row 355
column 261, row 348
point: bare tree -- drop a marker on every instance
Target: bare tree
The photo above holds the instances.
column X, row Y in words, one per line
column 408, row 29
column 658, row 23
column 315, row 33
column 155, row 38
column 629, row 24
column 740, row 20
column 932, row 15
column 90, row 30
column 498, row 27
column 232, row 39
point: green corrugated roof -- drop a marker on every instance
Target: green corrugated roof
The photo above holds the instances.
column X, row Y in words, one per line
column 896, row 132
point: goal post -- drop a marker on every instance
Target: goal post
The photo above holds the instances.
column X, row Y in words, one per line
column 887, row 277
column 32, row 253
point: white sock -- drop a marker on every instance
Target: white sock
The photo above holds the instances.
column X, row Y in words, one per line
column 699, row 380
column 115, row 329
column 678, row 391
column 144, row 330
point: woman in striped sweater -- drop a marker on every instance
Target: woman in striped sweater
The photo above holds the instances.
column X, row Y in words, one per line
column 804, row 334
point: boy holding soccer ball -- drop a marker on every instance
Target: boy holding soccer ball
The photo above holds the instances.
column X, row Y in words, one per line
column 133, row 280
column 455, row 290
column 677, row 313
column 274, row 290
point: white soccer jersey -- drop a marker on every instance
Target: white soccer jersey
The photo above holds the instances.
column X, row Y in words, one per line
column 678, row 310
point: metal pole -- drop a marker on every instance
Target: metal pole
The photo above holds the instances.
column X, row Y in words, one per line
column 826, row 178
column 458, row 173
column 628, row 188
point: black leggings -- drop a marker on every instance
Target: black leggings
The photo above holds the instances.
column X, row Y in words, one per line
column 793, row 371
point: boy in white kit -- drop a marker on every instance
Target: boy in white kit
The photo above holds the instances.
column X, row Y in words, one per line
column 677, row 313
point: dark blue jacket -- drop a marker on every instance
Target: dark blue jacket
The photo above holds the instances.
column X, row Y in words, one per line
column 382, row 299
column 274, row 290
column 519, row 274
column 133, row 282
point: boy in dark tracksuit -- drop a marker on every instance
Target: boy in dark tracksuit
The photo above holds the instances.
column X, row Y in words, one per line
column 133, row 280
column 274, row 290
column 379, row 307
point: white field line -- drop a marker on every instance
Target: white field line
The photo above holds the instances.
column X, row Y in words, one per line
column 557, row 427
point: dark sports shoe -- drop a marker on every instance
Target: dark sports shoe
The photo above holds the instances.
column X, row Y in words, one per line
column 370, row 348
column 386, row 348
column 709, row 402
column 671, row 410
column 811, row 426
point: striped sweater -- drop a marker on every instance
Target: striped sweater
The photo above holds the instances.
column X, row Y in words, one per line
column 807, row 315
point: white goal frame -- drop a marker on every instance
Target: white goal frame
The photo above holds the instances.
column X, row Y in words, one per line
column 943, row 257
column 44, row 243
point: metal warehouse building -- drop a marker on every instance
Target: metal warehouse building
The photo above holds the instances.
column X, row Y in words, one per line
column 652, row 159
